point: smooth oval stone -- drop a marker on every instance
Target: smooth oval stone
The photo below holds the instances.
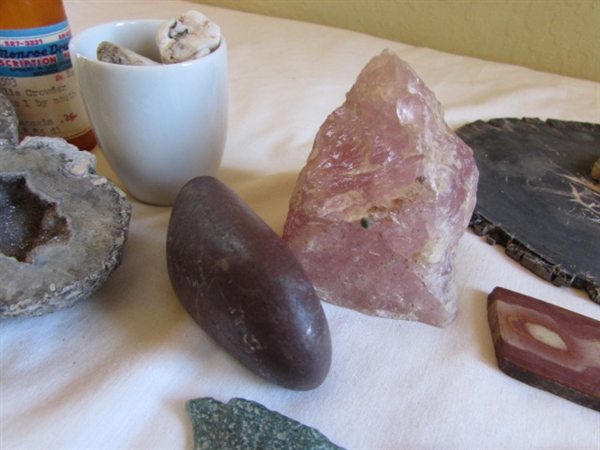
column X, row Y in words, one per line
column 241, row 283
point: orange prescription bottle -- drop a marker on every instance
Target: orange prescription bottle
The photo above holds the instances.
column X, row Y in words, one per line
column 36, row 74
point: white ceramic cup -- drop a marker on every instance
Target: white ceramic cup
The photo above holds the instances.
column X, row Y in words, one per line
column 158, row 126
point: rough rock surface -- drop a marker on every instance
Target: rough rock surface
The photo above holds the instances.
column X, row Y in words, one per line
column 115, row 54
column 243, row 424
column 62, row 226
column 190, row 36
column 9, row 124
column 595, row 174
column 386, row 194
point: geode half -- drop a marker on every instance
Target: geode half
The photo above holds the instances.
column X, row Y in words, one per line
column 9, row 123
column 386, row 194
column 63, row 227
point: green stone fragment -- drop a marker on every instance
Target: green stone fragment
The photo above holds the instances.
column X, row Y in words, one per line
column 246, row 425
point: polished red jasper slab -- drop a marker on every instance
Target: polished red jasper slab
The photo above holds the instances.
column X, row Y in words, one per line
column 546, row 346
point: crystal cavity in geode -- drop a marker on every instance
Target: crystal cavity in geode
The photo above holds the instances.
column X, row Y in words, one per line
column 387, row 192
column 63, row 227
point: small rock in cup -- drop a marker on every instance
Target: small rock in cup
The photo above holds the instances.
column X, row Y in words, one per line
column 190, row 36
column 112, row 53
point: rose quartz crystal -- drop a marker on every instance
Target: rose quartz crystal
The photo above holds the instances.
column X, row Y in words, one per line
column 386, row 194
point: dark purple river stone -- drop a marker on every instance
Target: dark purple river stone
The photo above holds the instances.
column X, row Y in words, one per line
column 242, row 284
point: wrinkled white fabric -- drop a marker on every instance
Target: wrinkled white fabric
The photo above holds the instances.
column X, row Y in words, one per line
column 116, row 370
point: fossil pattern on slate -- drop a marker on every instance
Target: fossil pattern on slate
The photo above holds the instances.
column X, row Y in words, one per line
column 536, row 196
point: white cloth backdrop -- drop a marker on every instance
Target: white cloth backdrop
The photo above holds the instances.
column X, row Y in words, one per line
column 116, row 370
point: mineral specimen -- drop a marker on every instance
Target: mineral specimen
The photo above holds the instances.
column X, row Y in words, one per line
column 546, row 346
column 9, row 124
column 115, row 54
column 190, row 36
column 386, row 194
column 246, row 425
column 536, row 196
column 63, row 227
column 244, row 287
column 595, row 173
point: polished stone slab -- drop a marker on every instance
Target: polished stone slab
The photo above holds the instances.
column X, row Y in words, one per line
column 536, row 195
column 546, row 346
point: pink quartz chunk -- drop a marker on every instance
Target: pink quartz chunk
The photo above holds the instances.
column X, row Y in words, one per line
column 386, row 194
column 546, row 346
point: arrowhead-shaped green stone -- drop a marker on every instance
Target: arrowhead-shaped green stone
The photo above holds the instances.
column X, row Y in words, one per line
column 243, row 424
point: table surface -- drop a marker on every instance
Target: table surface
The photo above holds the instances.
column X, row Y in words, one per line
column 116, row 370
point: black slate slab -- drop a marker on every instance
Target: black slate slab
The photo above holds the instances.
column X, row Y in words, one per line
column 536, row 195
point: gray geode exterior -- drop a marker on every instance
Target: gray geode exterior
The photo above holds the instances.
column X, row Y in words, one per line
column 9, row 124
column 58, row 274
